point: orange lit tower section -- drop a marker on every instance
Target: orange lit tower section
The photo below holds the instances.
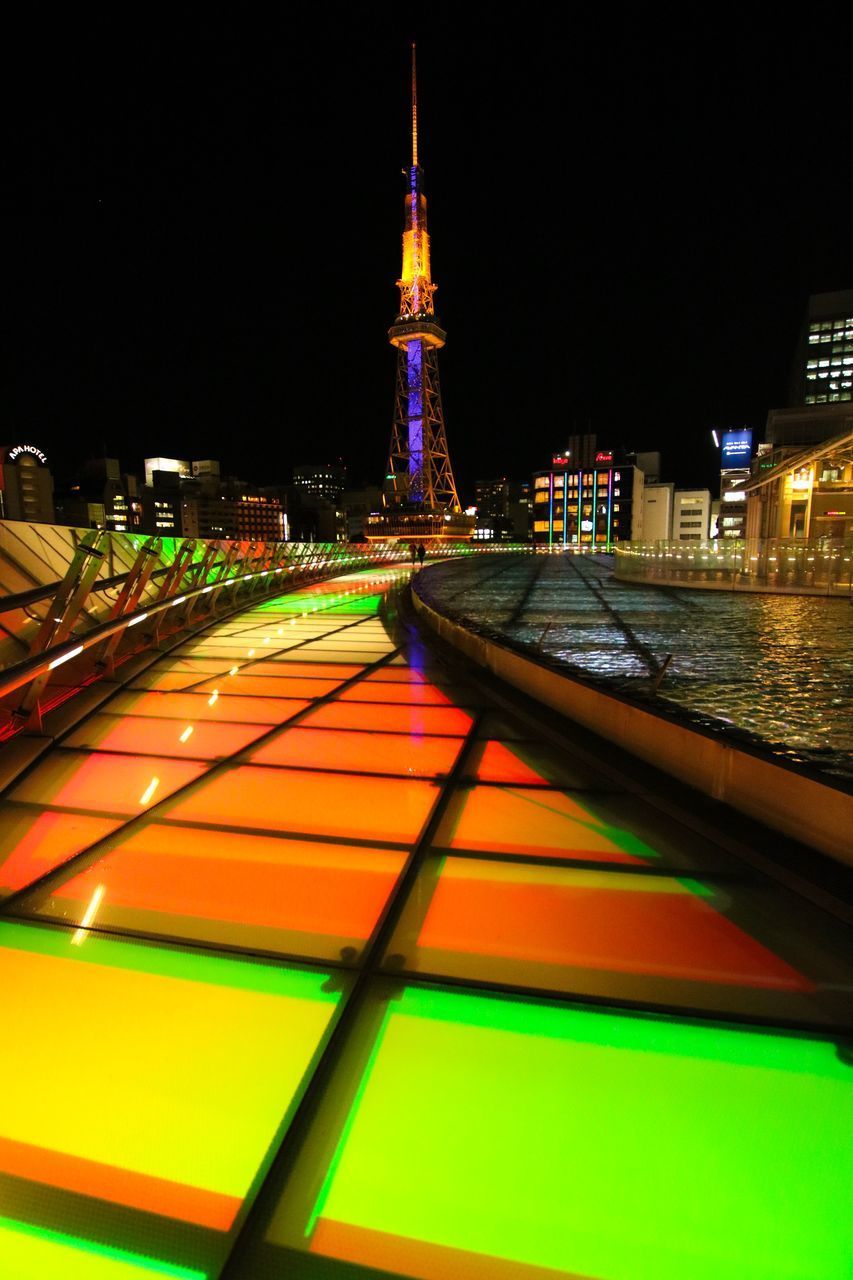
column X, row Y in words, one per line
column 419, row 495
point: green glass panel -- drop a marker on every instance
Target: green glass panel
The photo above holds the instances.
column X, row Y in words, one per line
column 503, row 1138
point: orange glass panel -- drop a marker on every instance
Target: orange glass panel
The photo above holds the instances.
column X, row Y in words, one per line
column 397, row 675
column 269, row 686
column 542, row 925
column 170, row 681
column 427, row 720
column 527, row 765
column 190, row 707
column 147, row 735
column 386, row 809
column 419, row 694
column 289, row 669
column 105, row 783
column 179, row 674
column 33, row 843
column 535, row 823
column 302, row 897
column 364, row 752
column 493, row 762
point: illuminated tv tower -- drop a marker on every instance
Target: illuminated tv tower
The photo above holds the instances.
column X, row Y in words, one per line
column 419, row 495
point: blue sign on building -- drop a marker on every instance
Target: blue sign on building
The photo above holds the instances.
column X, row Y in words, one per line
column 737, row 449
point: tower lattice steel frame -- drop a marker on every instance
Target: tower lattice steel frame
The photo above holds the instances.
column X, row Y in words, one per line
column 419, row 483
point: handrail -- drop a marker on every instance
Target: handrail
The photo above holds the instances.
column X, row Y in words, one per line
column 310, row 562
column 22, row 599
column 22, row 673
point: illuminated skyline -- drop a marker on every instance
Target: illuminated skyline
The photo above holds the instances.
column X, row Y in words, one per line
column 202, row 233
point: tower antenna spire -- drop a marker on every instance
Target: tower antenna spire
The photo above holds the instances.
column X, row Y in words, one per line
column 414, row 105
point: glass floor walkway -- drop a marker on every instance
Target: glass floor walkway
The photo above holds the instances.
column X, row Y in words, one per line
column 316, row 963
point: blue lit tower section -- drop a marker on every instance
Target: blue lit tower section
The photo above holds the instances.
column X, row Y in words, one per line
column 419, row 496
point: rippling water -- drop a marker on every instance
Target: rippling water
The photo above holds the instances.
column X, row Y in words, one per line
column 778, row 668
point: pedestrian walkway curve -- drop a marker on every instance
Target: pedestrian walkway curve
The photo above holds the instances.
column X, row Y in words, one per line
column 316, row 961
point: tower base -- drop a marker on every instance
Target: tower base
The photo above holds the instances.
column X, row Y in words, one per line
column 419, row 526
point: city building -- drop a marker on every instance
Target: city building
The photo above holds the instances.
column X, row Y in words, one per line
column 234, row 515
column 325, row 481
column 357, row 505
column 419, row 498
column 805, row 493
column 649, row 462
column 162, row 510
column 657, row 511
column 823, row 365
column 691, row 515
column 26, row 484
column 175, row 465
column 735, row 461
column 100, row 497
column 595, row 506
column 503, row 510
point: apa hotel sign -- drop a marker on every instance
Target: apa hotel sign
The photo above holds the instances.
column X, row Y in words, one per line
column 18, row 450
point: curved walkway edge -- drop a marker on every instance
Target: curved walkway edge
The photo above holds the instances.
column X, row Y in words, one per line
column 784, row 799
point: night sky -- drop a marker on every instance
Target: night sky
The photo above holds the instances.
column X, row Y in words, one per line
column 202, row 219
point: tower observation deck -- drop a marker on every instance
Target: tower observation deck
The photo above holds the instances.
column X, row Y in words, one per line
column 419, row 497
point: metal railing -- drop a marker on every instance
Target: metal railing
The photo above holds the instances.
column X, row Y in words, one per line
column 783, row 565
column 94, row 622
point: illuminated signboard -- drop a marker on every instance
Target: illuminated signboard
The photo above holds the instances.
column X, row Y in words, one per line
column 19, row 449
column 561, row 460
column 737, row 449
column 606, row 456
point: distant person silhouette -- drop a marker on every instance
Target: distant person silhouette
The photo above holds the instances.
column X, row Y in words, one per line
column 421, row 554
column 413, row 552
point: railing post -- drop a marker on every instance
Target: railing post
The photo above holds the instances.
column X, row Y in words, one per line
column 129, row 597
column 63, row 613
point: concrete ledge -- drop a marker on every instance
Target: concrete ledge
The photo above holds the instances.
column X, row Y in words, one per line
column 784, row 799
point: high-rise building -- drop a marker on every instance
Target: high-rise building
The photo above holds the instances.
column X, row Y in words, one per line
column 503, row 510
column 735, row 460
column 26, row 484
column 823, row 365
column 419, row 496
column 593, row 506
column 325, row 480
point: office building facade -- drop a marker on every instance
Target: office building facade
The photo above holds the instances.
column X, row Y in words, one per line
column 691, row 515
column 591, row 506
